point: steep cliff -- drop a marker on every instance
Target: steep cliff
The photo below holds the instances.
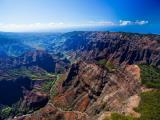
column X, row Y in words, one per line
column 122, row 48
column 89, row 90
column 92, row 89
column 102, row 79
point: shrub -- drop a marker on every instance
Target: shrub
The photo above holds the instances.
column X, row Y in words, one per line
column 149, row 108
column 150, row 105
column 47, row 85
column 106, row 64
column 116, row 116
column 5, row 112
column 150, row 76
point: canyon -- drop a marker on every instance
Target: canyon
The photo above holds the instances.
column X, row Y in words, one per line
column 78, row 75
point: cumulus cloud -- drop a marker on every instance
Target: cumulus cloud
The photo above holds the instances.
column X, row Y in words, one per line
column 137, row 22
column 61, row 25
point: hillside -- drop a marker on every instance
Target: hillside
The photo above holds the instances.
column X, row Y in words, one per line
column 121, row 48
column 85, row 76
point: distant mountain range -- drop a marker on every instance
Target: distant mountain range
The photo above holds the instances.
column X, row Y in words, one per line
column 15, row 44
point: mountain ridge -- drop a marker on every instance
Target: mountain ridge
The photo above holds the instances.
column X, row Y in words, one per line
column 86, row 74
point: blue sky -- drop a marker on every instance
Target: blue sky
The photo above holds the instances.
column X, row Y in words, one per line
column 115, row 15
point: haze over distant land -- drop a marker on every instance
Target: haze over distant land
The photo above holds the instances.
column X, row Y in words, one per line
column 61, row 15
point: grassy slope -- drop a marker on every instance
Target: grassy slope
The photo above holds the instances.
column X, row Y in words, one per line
column 149, row 108
column 150, row 105
column 150, row 101
column 150, row 76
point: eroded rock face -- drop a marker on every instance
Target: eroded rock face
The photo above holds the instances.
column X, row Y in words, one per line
column 49, row 112
column 122, row 48
column 88, row 92
column 134, row 70
column 38, row 58
column 18, row 93
column 93, row 90
column 34, row 100
column 32, row 58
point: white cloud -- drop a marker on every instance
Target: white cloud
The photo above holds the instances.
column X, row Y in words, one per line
column 101, row 23
column 141, row 22
column 137, row 22
column 31, row 27
column 51, row 26
column 124, row 23
column 61, row 25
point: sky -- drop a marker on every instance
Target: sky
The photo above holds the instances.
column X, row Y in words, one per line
column 53, row 15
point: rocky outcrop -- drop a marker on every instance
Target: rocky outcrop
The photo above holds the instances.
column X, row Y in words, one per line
column 134, row 70
column 17, row 93
column 50, row 63
column 89, row 91
column 122, row 48
column 39, row 58
column 34, row 100
column 23, row 94
column 50, row 112
column 92, row 89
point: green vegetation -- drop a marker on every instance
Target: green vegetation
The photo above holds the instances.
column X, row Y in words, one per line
column 149, row 108
column 150, row 76
column 60, row 78
column 46, row 87
column 150, row 105
column 34, row 74
column 116, row 116
column 30, row 72
column 66, row 108
column 5, row 112
column 53, row 91
column 106, row 64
